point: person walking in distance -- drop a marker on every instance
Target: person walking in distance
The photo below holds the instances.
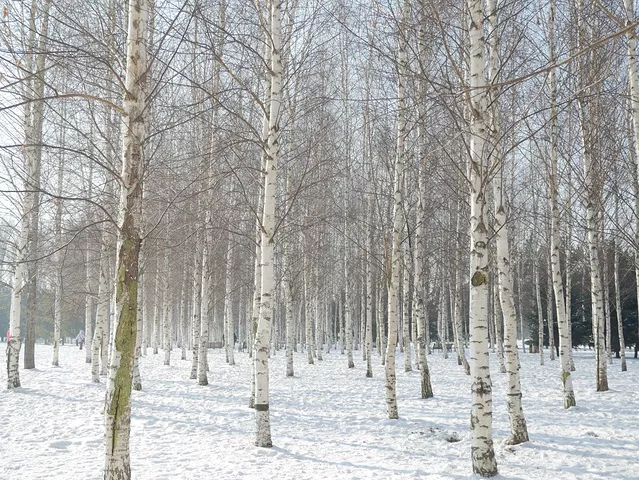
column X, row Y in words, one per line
column 79, row 340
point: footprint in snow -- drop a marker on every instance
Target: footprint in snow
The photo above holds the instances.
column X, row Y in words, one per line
column 63, row 444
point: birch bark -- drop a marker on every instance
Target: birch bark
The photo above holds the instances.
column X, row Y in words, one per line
column 271, row 150
column 406, row 307
column 167, row 308
column 393, row 277
column 206, row 307
column 419, row 310
column 57, row 309
column 117, row 412
column 137, row 379
column 555, row 264
column 633, row 79
column 348, row 315
column 100, row 339
column 549, row 313
column 184, row 335
column 369, row 305
column 482, row 451
column 518, row 429
column 307, row 310
column 459, row 339
column 540, row 313
column 319, row 318
column 592, row 180
column 33, row 118
column 89, row 299
column 606, row 292
column 619, row 311
column 229, row 333
column 33, row 129
column 197, row 305
column 287, row 281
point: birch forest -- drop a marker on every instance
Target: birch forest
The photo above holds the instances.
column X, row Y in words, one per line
column 380, row 182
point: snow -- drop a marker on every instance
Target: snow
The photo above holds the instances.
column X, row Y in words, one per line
column 328, row 422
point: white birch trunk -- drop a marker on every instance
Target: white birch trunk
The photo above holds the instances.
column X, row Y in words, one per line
column 393, row 277
column 592, row 171
column 33, row 90
column 540, row 313
column 419, row 314
column 33, row 119
column 57, row 309
column 290, row 320
column 369, row 294
column 459, row 340
column 362, row 314
column 255, row 311
column 262, row 336
column 482, row 452
column 348, row 316
column 229, row 334
column 408, row 367
column 381, row 327
column 368, row 348
column 633, row 79
column 206, row 308
column 184, row 335
column 166, row 309
column 569, row 269
column 549, row 313
column 307, row 311
column 606, row 290
column 14, row 341
column 137, row 379
column 562, row 310
column 287, row 282
column 342, row 326
column 89, row 303
column 619, row 311
column 88, row 308
column 319, row 319
column 146, row 309
column 197, row 306
column 518, row 429
column 157, row 312
column 117, row 414
column 100, row 340
column 597, row 294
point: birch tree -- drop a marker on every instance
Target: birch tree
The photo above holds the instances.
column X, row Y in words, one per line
column 90, row 283
column 633, row 80
column 393, row 277
column 419, row 307
column 100, row 338
column 557, row 279
column 33, row 81
column 166, row 309
column 57, row 309
column 197, row 305
column 482, row 451
column 592, row 183
column 117, row 412
column 518, row 429
column 267, row 242
column 33, row 92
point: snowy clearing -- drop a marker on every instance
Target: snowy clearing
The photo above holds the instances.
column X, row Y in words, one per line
column 328, row 422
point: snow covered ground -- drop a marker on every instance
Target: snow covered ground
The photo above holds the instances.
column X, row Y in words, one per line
column 328, row 422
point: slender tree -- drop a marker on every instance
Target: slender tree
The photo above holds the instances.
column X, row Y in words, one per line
column 482, row 451
column 117, row 412
column 271, row 150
